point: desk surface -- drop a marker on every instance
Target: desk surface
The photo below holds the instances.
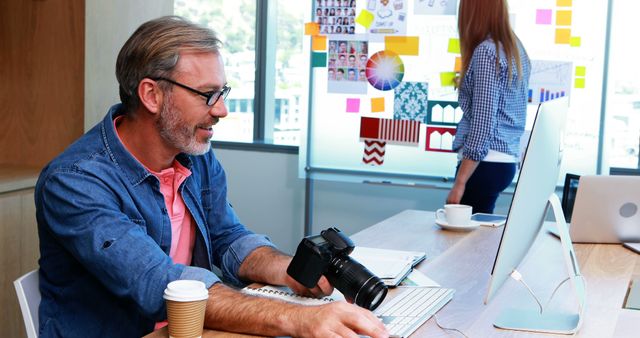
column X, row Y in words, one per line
column 463, row 261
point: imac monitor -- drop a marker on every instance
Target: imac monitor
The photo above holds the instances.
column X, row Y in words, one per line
column 534, row 189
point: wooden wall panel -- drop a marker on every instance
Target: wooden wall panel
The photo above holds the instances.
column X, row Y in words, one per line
column 19, row 253
column 41, row 79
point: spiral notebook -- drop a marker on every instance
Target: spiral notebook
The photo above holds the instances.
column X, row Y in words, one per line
column 285, row 294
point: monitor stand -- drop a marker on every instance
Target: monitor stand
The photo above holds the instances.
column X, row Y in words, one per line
column 549, row 321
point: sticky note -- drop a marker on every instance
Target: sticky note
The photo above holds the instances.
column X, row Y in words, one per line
column 563, row 3
column 563, row 18
column 311, row 28
column 402, row 45
column 319, row 42
column 457, row 67
column 563, row 36
column 581, row 71
column 454, row 46
column 579, row 83
column 446, row 78
column 377, row 105
column 365, row 18
column 353, row 105
column 543, row 16
column 318, row 59
column 575, row 41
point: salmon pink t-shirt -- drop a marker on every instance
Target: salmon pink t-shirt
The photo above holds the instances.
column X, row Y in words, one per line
column 183, row 233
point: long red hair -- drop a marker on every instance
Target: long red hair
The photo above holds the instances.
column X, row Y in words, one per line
column 480, row 19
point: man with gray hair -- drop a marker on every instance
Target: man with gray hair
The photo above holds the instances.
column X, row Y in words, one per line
column 140, row 201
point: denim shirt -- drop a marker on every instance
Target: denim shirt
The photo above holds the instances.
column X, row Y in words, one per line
column 105, row 236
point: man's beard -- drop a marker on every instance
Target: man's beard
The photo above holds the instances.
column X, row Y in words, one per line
column 176, row 132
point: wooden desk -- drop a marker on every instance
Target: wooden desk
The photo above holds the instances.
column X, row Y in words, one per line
column 463, row 261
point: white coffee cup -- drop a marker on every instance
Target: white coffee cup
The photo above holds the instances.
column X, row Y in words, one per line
column 186, row 304
column 455, row 214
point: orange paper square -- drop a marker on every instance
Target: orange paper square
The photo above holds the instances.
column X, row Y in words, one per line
column 457, row 67
column 319, row 42
column 377, row 105
column 563, row 36
column 311, row 28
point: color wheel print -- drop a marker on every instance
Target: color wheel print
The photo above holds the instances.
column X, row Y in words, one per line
column 385, row 70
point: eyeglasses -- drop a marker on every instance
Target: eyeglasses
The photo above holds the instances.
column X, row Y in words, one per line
column 212, row 97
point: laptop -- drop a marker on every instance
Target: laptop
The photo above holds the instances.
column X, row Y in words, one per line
column 606, row 210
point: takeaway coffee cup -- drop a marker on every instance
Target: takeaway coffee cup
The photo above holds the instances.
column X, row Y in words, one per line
column 455, row 214
column 186, row 302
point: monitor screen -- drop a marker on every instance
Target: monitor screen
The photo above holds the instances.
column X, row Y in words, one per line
column 536, row 182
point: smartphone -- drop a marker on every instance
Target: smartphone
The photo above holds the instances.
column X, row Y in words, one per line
column 635, row 247
column 489, row 219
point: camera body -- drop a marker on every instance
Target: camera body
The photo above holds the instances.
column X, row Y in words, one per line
column 328, row 254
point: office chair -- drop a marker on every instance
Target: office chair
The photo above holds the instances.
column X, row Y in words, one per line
column 28, row 291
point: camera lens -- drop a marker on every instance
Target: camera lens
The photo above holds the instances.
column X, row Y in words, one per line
column 356, row 282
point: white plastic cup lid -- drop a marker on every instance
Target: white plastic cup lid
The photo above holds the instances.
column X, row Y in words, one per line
column 186, row 291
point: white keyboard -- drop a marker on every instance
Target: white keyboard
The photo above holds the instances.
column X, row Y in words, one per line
column 404, row 313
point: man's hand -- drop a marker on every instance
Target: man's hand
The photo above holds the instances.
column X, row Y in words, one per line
column 231, row 311
column 338, row 319
column 269, row 266
column 324, row 288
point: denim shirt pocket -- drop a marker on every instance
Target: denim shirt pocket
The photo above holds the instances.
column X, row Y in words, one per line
column 207, row 199
column 139, row 222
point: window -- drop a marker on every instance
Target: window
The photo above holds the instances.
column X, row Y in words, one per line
column 622, row 116
column 263, row 61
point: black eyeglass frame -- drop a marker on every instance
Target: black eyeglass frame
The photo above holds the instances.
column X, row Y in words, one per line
column 212, row 97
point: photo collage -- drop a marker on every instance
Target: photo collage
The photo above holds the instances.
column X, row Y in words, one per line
column 347, row 60
column 336, row 16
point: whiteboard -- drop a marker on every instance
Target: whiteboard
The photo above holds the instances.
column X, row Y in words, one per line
column 332, row 147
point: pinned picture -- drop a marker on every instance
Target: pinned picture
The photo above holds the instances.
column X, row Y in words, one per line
column 347, row 61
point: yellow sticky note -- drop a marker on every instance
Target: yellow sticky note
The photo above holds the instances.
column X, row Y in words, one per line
column 563, row 18
column 579, row 82
column 446, row 79
column 581, row 71
column 377, row 105
column 365, row 18
column 318, row 42
column 563, row 36
column 457, row 67
column 454, row 46
column 402, row 45
column 563, row 3
column 575, row 41
column 311, row 28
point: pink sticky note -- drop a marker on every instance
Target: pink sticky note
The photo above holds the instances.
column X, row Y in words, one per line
column 353, row 105
column 543, row 16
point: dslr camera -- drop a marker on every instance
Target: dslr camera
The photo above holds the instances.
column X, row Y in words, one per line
column 328, row 254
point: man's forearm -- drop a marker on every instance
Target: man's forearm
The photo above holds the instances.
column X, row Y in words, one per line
column 230, row 310
column 265, row 265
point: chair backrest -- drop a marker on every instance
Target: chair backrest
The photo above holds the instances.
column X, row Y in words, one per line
column 28, row 291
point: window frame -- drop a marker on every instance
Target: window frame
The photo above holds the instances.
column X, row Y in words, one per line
column 264, row 86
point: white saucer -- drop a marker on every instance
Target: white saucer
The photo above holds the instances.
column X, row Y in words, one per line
column 446, row 226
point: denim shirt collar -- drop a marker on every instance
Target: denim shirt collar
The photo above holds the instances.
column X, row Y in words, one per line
column 135, row 172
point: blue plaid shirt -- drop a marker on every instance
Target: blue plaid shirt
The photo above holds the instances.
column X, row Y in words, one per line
column 494, row 108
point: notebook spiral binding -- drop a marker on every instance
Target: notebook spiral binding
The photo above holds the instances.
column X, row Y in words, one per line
column 275, row 292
